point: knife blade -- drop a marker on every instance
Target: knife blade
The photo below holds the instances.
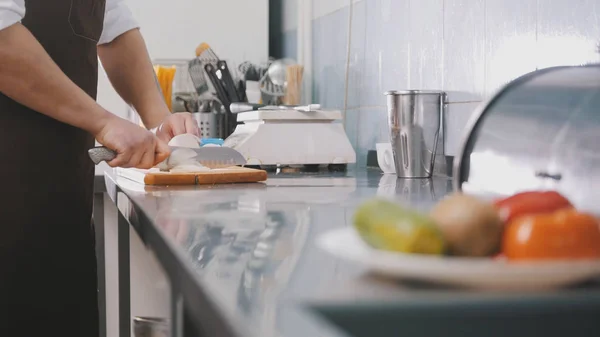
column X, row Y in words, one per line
column 210, row 156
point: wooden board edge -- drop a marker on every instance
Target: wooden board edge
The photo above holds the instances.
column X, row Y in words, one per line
column 164, row 180
column 239, row 177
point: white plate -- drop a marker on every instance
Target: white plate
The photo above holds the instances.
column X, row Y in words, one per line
column 483, row 273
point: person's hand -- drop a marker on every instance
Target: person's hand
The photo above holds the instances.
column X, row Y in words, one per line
column 177, row 124
column 135, row 146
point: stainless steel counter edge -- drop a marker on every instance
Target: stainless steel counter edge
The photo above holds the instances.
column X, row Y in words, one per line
column 283, row 285
column 205, row 313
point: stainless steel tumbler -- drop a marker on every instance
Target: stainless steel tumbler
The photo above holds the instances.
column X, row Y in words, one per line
column 415, row 122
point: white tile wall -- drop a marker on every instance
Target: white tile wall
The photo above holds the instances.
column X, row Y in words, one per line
column 324, row 7
column 390, row 48
column 469, row 48
column 372, row 129
column 357, row 54
column 463, row 64
column 567, row 32
column 330, row 40
column 457, row 117
column 352, row 123
column 426, row 41
column 510, row 41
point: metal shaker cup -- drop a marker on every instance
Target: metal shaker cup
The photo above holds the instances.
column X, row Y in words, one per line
column 415, row 123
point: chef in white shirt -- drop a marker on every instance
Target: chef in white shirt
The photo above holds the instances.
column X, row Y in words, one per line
column 49, row 118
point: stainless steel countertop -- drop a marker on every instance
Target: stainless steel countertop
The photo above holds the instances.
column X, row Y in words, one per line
column 251, row 247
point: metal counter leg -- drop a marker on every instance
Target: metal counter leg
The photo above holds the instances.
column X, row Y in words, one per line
column 100, row 259
column 176, row 313
column 124, row 278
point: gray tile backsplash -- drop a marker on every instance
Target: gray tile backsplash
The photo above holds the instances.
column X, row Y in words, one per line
column 386, row 49
column 510, row 41
column 565, row 30
column 372, row 129
column 469, row 48
column 426, row 42
column 464, row 46
column 329, row 47
column 357, row 83
column 352, row 121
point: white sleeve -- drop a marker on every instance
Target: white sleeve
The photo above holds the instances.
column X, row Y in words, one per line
column 11, row 12
column 118, row 19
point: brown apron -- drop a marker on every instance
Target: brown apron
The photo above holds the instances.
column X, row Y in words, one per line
column 48, row 284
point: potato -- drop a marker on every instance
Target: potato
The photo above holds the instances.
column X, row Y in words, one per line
column 470, row 227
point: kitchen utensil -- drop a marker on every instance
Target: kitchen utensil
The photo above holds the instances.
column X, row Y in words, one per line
column 243, row 107
column 252, row 91
column 241, row 88
column 415, row 122
column 228, row 84
column 185, row 102
column 481, row 273
column 212, row 157
column 277, row 71
column 206, row 54
column 221, row 94
column 273, row 83
column 303, row 108
column 216, row 176
column 182, row 84
column 164, row 77
column 385, row 158
column 196, row 71
column 210, row 117
column 252, row 72
column 541, row 131
column 207, row 122
column 293, row 87
column 268, row 87
column 189, row 103
column 229, row 121
column 211, row 71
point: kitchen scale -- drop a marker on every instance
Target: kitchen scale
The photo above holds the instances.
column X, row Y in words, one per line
column 292, row 138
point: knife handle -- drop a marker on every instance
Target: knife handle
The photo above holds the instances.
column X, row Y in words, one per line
column 243, row 107
column 101, row 153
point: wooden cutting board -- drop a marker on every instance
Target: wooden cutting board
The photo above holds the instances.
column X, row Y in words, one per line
column 217, row 176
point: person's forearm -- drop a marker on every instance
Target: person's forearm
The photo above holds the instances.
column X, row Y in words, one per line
column 130, row 71
column 29, row 76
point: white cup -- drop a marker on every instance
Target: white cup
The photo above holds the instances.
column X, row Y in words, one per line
column 385, row 158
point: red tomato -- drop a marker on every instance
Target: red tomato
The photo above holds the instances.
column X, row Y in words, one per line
column 563, row 234
column 530, row 203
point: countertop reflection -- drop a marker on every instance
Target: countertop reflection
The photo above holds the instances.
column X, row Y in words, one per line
column 248, row 256
column 253, row 245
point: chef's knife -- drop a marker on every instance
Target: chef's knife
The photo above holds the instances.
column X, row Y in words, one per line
column 211, row 157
